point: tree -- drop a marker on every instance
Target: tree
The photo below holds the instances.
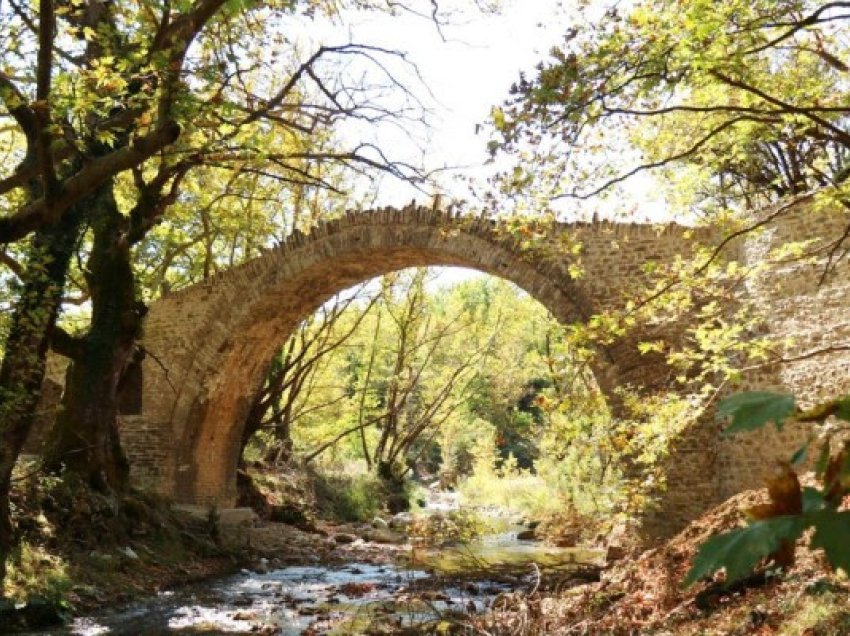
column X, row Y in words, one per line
column 414, row 398
column 106, row 100
column 407, row 380
column 288, row 391
column 72, row 144
column 745, row 101
column 732, row 107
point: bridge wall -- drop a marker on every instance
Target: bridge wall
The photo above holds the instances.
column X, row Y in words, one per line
column 209, row 345
column 809, row 315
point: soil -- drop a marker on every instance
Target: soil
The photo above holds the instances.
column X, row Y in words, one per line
column 644, row 594
column 116, row 550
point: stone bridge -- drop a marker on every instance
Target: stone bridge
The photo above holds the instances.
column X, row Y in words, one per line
column 210, row 344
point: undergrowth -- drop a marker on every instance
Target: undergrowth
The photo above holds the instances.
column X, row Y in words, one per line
column 341, row 495
column 80, row 548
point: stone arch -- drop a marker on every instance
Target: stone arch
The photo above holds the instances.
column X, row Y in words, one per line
column 209, row 344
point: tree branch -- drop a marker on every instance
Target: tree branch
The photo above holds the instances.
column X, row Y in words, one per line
column 39, row 213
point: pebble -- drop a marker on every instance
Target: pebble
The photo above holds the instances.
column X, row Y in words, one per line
column 129, row 552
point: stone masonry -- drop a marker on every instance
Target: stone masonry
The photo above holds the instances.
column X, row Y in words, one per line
column 209, row 345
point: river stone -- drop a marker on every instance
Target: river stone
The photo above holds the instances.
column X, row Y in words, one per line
column 614, row 553
column 386, row 535
column 129, row 552
column 401, row 521
column 380, row 524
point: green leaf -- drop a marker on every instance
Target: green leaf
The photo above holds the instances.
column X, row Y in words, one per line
column 842, row 410
column 832, row 530
column 813, row 500
column 740, row 551
column 800, row 454
column 752, row 410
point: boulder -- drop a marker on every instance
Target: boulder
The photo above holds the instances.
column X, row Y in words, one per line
column 229, row 517
column 224, row 516
column 385, row 536
column 129, row 552
column 614, row 553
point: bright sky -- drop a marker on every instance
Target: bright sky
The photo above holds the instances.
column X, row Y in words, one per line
column 472, row 70
column 468, row 68
column 467, row 73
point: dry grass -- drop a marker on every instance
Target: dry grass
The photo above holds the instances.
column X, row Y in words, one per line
column 645, row 595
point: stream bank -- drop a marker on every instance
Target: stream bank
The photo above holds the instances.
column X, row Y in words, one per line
column 137, row 565
column 358, row 587
column 343, row 579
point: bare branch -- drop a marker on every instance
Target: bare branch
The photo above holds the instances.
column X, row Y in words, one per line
column 657, row 164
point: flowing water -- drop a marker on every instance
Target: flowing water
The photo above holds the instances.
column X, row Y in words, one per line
column 344, row 599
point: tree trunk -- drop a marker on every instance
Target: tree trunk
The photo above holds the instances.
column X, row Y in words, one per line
column 85, row 438
column 22, row 370
column 281, row 452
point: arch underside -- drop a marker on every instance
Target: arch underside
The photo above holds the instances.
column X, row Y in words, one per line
column 212, row 342
column 211, row 438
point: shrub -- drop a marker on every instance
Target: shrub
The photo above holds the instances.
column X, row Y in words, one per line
column 349, row 498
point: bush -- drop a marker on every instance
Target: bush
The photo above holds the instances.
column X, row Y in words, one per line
column 459, row 525
column 349, row 498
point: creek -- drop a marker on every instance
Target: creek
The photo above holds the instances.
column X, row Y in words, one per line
column 423, row 586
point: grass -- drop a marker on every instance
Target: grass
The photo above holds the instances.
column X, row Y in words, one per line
column 525, row 494
column 33, row 571
column 349, row 497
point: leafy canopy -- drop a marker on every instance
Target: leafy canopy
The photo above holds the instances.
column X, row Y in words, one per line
column 745, row 101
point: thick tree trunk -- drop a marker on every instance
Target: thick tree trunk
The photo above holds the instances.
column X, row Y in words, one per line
column 22, row 370
column 85, row 438
column 253, row 423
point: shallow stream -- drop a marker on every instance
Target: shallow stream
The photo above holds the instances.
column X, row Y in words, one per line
column 434, row 584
